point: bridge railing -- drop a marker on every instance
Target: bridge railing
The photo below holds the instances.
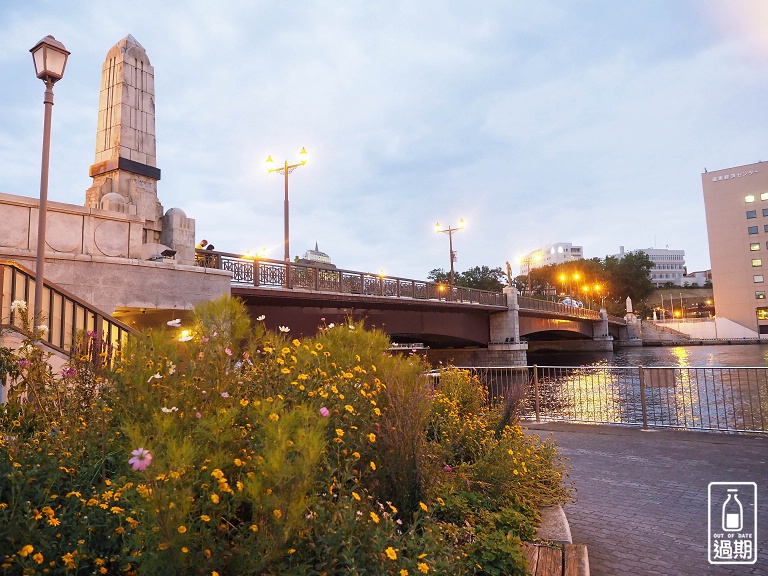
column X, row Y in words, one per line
column 528, row 303
column 65, row 314
column 733, row 399
column 290, row 275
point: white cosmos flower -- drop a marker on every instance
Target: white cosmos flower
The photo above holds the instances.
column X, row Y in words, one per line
column 284, row 329
column 158, row 376
column 169, row 410
column 17, row 305
column 43, row 329
column 260, row 318
column 331, row 325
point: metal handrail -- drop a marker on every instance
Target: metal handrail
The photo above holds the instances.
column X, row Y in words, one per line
column 65, row 314
column 530, row 303
column 262, row 272
column 723, row 399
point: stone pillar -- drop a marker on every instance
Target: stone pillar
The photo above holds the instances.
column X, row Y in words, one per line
column 634, row 335
column 125, row 161
column 505, row 347
column 125, row 172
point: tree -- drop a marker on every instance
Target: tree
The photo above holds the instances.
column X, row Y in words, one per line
column 479, row 277
column 629, row 275
column 482, row 278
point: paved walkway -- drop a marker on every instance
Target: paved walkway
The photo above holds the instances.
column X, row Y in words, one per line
column 642, row 496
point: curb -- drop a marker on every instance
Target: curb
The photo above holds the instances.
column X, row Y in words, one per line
column 554, row 525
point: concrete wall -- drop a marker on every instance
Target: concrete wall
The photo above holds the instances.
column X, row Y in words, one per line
column 478, row 356
column 70, row 229
column 716, row 328
column 113, row 283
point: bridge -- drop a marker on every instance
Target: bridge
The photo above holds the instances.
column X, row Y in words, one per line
column 304, row 296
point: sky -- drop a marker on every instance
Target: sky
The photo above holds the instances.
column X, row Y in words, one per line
column 582, row 121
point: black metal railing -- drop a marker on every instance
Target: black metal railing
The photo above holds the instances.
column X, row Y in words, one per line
column 65, row 314
column 726, row 399
column 289, row 275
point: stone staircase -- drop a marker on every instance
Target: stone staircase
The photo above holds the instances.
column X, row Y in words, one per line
column 657, row 333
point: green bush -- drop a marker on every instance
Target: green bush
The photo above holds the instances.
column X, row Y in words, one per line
column 224, row 448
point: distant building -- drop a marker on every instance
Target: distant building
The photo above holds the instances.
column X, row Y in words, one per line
column 316, row 258
column 668, row 265
column 558, row 253
column 736, row 207
column 700, row 278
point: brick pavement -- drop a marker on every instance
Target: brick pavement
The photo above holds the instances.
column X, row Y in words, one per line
column 642, row 496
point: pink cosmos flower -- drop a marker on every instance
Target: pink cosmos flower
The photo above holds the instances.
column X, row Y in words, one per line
column 225, row 394
column 227, row 351
column 205, row 339
column 447, row 468
column 141, row 459
column 198, row 415
column 324, row 412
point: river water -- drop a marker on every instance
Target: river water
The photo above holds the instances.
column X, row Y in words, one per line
column 735, row 355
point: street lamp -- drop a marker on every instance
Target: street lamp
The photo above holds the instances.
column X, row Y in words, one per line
column 533, row 258
column 450, row 232
column 50, row 58
column 287, row 169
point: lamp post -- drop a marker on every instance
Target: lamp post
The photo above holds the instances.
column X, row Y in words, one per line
column 50, row 58
column 450, row 232
column 528, row 259
column 287, row 169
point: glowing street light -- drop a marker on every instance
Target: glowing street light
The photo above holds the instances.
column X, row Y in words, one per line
column 450, row 232
column 287, row 169
column 527, row 260
column 50, row 59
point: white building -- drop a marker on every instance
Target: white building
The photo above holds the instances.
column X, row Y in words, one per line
column 558, row 253
column 668, row 265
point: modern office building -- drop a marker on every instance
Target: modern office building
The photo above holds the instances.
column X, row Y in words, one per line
column 668, row 265
column 558, row 253
column 736, row 207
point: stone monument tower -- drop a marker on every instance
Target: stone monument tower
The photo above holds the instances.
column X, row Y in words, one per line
column 125, row 172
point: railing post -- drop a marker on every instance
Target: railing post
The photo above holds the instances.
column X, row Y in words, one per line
column 643, row 405
column 536, row 392
column 288, row 276
column 397, row 289
column 256, row 272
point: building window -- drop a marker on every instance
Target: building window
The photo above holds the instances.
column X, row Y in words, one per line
column 751, row 214
column 756, row 262
column 752, row 229
column 760, row 295
column 758, row 278
column 762, row 313
column 764, row 196
column 749, row 198
column 765, row 211
column 754, row 247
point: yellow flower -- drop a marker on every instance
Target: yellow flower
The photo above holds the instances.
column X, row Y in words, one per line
column 68, row 560
column 26, row 550
column 116, row 510
column 356, row 496
column 205, row 518
column 53, row 521
column 423, row 567
column 371, row 437
column 375, row 517
column 36, row 514
column 394, row 510
column 277, row 514
column 339, row 432
column 318, row 346
column 215, row 498
column 239, row 462
column 217, row 473
column 253, row 528
column 285, row 370
column 423, row 506
column 349, row 408
column 373, row 465
column 38, row 558
column 403, row 572
column 356, row 454
column 132, row 522
column 441, row 501
column 214, row 573
column 391, row 553
column 184, row 549
column 103, row 570
column 181, row 529
column 296, row 342
column 274, row 417
column 243, row 402
column 285, row 351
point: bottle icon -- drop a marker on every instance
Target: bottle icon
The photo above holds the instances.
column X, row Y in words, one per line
column 733, row 512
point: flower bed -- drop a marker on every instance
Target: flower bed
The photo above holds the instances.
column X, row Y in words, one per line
column 216, row 447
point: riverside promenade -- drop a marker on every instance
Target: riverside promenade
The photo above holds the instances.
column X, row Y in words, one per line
column 641, row 500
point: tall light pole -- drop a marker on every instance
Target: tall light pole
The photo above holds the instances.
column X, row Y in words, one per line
column 528, row 259
column 50, row 59
column 450, row 232
column 287, row 169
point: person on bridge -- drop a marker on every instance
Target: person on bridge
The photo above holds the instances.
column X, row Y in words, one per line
column 203, row 244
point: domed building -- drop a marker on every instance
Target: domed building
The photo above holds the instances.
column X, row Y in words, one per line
column 316, row 258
